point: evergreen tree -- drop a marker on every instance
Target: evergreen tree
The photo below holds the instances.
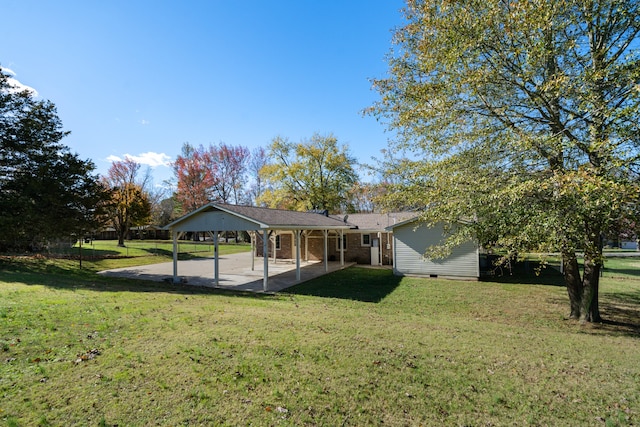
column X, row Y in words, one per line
column 45, row 190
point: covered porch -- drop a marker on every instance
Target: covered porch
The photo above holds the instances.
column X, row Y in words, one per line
column 215, row 218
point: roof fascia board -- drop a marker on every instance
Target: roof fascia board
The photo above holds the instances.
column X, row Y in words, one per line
column 401, row 223
column 308, row 227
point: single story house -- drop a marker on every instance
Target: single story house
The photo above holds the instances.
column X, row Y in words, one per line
column 366, row 241
column 410, row 242
column 394, row 238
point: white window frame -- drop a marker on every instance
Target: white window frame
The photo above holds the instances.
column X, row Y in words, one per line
column 278, row 242
column 362, row 243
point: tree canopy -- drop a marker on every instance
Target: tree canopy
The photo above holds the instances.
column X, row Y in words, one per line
column 210, row 173
column 522, row 118
column 46, row 191
column 312, row 174
column 129, row 203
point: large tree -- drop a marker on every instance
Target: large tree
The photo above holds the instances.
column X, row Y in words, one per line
column 213, row 173
column 228, row 165
column 522, row 118
column 130, row 204
column 194, row 177
column 45, row 190
column 312, row 174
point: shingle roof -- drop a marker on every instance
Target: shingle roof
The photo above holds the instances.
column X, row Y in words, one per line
column 292, row 220
column 280, row 218
column 377, row 221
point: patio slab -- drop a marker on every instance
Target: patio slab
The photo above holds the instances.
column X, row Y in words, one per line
column 234, row 272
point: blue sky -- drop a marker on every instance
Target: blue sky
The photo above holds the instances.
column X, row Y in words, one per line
column 140, row 78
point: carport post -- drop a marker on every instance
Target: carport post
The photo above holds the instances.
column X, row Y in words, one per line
column 265, row 258
column 216, row 263
column 325, row 234
column 342, row 247
column 297, row 255
column 253, row 250
column 175, row 256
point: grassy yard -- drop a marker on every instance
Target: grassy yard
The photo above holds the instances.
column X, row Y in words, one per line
column 105, row 254
column 358, row 347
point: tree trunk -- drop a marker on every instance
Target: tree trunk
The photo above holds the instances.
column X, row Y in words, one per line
column 594, row 311
column 573, row 282
column 590, row 311
column 122, row 233
column 121, row 240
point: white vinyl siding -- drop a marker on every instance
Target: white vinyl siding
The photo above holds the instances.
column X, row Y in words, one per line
column 411, row 244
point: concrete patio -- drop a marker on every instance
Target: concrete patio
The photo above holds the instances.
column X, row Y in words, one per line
column 235, row 272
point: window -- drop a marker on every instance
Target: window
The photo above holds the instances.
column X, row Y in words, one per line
column 366, row 240
column 277, row 242
column 344, row 243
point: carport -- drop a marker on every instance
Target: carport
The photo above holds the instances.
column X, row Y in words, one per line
column 215, row 218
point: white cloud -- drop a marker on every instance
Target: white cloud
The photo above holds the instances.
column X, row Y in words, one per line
column 144, row 122
column 113, row 158
column 16, row 85
column 149, row 158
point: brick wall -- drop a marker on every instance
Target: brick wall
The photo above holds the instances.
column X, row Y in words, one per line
column 355, row 251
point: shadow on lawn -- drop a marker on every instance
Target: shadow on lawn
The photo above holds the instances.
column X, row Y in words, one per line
column 618, row 272
column 98, row 254
column 621, row 313
column 355, row 283
column 526, row 273
column 182, row 256
column 55, row 276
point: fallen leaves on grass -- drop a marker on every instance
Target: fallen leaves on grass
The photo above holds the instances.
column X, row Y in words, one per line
column 89, row 355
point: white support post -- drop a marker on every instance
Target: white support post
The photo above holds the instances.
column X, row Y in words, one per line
column 265, row 257
column 275, row 259
column 325, row 234
column 342, row 247
column 216, row 260
column 253, row 250
column 297, row 233
column 175, row 256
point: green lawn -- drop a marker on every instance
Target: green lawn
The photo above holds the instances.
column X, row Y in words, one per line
column 105, row 254
column 358, row 347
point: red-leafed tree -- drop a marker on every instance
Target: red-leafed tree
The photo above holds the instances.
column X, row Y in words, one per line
column 213, row 173
column 195, row 179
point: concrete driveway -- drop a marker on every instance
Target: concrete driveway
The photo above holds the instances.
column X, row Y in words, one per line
column 234, row 272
